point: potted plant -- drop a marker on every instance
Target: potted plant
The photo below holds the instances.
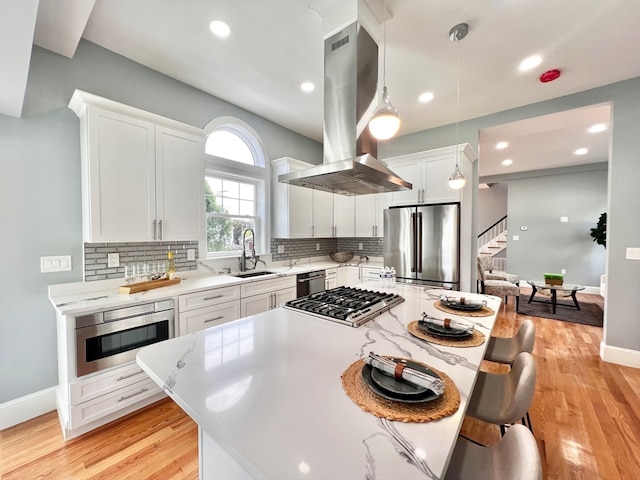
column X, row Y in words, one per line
column 599, row 234
column 553, row 278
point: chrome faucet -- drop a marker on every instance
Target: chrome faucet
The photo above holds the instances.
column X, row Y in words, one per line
column 252, row 249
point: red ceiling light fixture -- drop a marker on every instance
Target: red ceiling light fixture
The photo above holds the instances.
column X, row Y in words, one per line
column 550, row 75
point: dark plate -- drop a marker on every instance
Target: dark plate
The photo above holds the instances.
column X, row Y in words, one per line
column 468, row 307
column 426, row 396
column 443, row 332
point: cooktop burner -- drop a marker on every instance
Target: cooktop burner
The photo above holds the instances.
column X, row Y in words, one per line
column 347, row 305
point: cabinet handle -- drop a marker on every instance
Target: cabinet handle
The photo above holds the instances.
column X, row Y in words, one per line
column 220, row 317
column 127, row 397
column 153, row 234
column 124, row 377
column 160, row 228
column 213, row 298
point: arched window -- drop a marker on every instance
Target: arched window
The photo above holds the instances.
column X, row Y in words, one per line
column 236, row 187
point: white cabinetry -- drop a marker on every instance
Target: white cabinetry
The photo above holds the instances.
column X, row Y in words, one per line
column 142, row 174
column 429, row 172
column 370, row 214
column 208, row 308
column 370, row 274
column 331, row 278
column 301, row 212
column 348, row 275
column 260, row 296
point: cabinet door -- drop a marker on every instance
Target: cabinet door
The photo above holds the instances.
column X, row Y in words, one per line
column 256, row 304
column 300, row 202
column 344, row 212
column 322, row 214
column 353, row 276
column 179, row 184
column 411, row 171
column 436, row 178
column 283, row 296
column 118, row 178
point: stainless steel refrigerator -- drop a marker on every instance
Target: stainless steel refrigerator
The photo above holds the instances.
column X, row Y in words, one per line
column 422, row 243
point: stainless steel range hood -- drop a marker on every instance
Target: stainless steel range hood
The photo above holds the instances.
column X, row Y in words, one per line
column 350, row 87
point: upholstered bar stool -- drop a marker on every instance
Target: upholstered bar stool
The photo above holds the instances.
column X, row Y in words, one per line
column 504, row 399
column 505, row 350
column 516, row 456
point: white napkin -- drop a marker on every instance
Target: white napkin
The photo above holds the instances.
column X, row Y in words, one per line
column 407, row 373
column 462, row 301
column 449, row 323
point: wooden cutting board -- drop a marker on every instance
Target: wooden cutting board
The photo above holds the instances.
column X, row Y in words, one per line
column 150, row 285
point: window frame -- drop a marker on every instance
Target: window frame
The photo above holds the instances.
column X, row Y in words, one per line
column 260, row 174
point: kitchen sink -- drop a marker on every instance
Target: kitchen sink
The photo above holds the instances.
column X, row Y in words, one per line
column 251, row 274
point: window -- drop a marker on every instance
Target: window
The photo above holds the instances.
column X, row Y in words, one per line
column 230, row 210
column 236, row 188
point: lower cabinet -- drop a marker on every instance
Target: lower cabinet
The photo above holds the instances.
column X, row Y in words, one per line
column 208, row 308
column 263, row 295
column 348, row 275
column 331, row 278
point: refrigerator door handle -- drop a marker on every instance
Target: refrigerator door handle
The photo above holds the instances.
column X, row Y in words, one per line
column 419, row 256
column 413, row 247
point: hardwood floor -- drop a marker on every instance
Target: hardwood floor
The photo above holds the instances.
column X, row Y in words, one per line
column 585, row 415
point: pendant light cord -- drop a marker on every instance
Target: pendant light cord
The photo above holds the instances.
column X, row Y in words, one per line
column 457, row 100
column 384, row 53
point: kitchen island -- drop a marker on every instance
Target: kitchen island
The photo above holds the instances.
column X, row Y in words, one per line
column 266, row 394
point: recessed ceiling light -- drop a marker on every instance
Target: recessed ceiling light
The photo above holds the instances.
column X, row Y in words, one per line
column 529, row 63
column 219, row 28
column 581, row 151
column 506, row 162
column 501, row 145
column 425, row 97
column 307, row 87
column 597, row 128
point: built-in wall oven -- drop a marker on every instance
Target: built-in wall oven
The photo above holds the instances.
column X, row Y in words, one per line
column 310, row 282
column 109, row 338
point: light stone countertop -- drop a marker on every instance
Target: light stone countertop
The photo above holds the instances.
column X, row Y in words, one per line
column 80, row 298
column 266, row 391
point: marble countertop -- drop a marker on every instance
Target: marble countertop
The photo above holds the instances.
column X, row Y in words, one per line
column 267, row 389
column 86, row 297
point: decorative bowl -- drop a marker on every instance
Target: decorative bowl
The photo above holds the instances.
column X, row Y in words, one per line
column 341, row 257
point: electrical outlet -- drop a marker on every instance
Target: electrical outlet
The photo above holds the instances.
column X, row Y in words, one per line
column 280, row 248
column 191, row 254
column 360, row 246
column 113, row 260
column 516, row 238
column 563, row 271
column 564, row 219
column 317, row 246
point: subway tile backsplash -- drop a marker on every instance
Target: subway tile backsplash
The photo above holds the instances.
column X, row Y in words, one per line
column 316, row 247
column 96, row 266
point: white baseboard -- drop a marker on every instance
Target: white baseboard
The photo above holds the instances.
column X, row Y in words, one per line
column 25, row 408
column 590, row 290
column 620, row 356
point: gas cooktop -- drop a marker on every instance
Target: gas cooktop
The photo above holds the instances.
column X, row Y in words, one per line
column 346, row 305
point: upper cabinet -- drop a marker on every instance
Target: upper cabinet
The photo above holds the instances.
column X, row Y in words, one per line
column 429, row 173
column 142, row 174
column 370, row 214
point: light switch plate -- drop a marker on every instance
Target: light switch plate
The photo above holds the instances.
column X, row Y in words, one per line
column 60, row 263
column 564, row 219
column 360, row 246
column 280, row 248
column 516, row 237
column 633, row 253
column 317, row 246
column 191, row 254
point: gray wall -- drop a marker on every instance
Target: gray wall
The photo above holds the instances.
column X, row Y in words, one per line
column 549, row 245
column 492, row 205
column 622, row 308
column 40, row 198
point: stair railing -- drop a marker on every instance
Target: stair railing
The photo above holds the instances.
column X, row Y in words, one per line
column 490, row 234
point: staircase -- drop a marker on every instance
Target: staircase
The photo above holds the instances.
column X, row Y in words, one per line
column 494, row 240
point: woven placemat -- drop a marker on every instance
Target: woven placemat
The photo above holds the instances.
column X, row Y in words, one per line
column 477, row 338
column 368, row 401
column 484, row 312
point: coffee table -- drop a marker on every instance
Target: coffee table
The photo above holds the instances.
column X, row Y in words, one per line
column 569, row 288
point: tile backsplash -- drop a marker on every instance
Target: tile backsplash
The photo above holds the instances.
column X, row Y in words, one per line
column 316, row 247
column 96, row 266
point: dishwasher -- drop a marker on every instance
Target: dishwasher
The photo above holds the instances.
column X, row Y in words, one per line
column 310, row 282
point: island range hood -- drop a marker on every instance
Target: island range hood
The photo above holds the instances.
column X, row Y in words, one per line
column 350, row 85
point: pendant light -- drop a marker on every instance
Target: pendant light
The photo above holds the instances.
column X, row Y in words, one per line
column 457, row 33
column 385, row 123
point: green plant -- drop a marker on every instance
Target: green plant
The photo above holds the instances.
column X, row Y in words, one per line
column 599, row 234
column 553, row 276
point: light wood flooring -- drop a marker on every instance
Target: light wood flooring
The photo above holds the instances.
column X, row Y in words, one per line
column 585, row 415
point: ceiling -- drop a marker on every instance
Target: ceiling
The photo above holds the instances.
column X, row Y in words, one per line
column 275, row 45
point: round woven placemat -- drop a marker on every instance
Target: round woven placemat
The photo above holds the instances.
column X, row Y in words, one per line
column 485, row 312
column 368, row 401
column 477, row 338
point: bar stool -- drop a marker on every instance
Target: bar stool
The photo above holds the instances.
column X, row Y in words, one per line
column 505, row 350
column 504, row 399
column 516, row 456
